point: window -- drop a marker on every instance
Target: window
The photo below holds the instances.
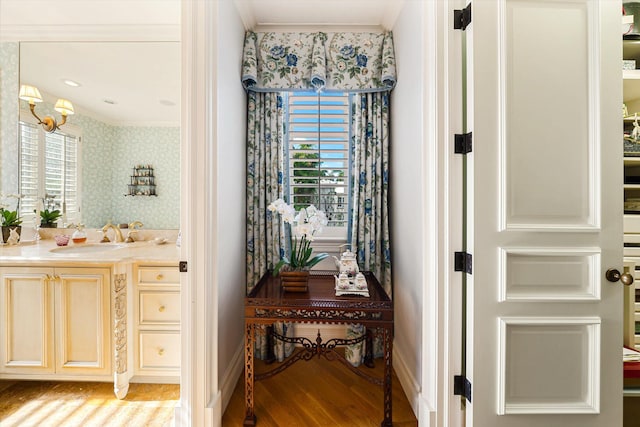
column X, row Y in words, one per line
column 318, row 153
column 48, row 171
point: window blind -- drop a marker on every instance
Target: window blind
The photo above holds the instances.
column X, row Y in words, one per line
column 48, row 167
column 28, row 168
column 318, row 152
column 61, row 172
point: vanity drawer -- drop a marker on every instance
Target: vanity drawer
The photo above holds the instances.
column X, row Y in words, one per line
column 159, row 350
column 159, row 307
column 169, row 275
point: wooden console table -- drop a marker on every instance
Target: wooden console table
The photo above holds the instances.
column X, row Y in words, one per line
column 268, row 303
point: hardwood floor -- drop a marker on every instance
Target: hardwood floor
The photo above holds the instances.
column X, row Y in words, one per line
column 308, row 394
column 319, row 393
column 86, row 404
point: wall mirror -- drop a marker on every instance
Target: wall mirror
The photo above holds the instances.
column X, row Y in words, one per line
column 126, row 99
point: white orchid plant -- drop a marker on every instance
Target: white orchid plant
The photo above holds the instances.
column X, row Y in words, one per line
column 306, row 223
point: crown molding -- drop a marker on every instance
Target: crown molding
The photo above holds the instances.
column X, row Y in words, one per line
column 159, row 32
column 246, row 14
column 391, row 15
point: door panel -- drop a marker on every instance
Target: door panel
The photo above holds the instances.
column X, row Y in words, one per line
column 549, row 274
column 83, row 321
column 529, row 363
column 545, row 213
column 27, row 321
column 547, row 56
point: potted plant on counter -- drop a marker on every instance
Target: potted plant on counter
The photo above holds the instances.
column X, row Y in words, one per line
column 48, row 218
column 294, row 267
column 10, row 219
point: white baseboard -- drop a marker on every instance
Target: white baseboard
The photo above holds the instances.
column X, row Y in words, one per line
column 409, row 384
column 213, row 413
column 231, row 377
column 426, row 415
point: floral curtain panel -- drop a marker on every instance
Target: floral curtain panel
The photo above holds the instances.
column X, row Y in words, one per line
column 370, row 191
column 370, row 185
column 265, row 240
column 354, row 62
column 265, row 163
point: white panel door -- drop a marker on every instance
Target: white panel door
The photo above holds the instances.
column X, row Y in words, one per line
column 545, row 210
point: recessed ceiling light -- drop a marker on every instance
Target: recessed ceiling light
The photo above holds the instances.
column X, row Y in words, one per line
column 109, row 101
column 167, row 103
column 71, row 83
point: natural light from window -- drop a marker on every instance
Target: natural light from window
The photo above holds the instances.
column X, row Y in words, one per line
column 318, row 154
column 48, row 171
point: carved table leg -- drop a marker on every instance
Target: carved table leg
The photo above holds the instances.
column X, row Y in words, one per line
column 271, row 356
column 250, row 416
column 368, row 353
column 388, row 347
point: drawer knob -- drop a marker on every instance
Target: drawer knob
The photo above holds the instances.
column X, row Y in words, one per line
column 160, row 277
column 161, row 308
column 160, row 351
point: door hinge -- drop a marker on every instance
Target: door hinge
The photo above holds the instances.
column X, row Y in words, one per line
column 462, row 387
column 463, row 143
column 182, row 266
column 462, row 18
column 463, row 262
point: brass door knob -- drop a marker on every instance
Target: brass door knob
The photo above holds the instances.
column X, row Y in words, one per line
column 614, row 275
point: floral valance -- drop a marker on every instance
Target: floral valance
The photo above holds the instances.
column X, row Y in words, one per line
column 355, row 62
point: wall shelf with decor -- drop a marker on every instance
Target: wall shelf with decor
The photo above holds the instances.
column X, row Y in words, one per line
column 143, row 181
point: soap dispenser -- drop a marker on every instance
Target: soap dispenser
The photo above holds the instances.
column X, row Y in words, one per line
column 79, row 236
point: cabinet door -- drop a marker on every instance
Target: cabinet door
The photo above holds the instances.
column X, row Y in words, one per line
column 82, row 321
column 26, row 332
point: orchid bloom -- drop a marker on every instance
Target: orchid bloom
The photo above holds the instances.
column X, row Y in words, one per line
column 307, row 222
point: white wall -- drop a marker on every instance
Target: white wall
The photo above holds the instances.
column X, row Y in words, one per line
column 407, row 182
column 231, row 184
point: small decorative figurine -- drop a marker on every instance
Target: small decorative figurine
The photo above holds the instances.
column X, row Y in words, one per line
column 14, row 237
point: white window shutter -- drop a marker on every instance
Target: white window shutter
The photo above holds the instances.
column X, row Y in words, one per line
column 318, row 154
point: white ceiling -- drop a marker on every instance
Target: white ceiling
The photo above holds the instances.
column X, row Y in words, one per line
column 139, row 80
column 334, row 13
column 141, row 77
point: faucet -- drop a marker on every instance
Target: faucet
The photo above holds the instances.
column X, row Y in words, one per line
column 132, row 230
column 118, row 234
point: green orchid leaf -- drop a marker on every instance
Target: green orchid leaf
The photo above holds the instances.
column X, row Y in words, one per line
column 316, row 259
column 282, row 262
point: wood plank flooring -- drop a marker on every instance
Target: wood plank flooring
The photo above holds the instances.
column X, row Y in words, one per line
column 308, row 394
column 86, row 404
column 319, row 393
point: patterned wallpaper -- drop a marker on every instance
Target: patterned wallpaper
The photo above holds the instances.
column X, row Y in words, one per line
column 160, row 148
column 8, row 117
column 108, row 155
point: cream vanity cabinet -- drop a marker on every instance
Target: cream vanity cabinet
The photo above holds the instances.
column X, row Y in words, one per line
column 55, row 321
column 157, row 323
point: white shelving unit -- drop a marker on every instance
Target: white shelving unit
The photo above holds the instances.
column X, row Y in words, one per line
column 631, row 97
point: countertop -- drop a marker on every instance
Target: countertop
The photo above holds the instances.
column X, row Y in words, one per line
column 46, row 252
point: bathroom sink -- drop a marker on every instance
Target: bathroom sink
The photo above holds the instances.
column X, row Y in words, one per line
column 85, row 249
